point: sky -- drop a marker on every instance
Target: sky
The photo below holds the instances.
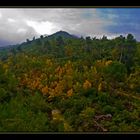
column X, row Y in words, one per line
column 18, row 24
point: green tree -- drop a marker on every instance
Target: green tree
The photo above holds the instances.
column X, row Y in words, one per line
column 119, row 47
column 130, row 51
column 60, row 41
column 41, row 36
column 116, row 71
column 88, row 44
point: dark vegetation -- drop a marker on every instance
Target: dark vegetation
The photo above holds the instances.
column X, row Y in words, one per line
column 65, row 83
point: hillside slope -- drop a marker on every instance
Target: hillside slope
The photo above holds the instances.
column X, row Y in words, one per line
column 71, row 84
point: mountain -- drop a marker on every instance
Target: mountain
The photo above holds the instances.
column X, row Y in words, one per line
column 63, row 34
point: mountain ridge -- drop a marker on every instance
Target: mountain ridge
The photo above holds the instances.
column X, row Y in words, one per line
column 63, row 34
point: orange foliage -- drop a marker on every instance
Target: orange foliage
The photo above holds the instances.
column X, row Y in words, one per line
column 45, row 90
column 70, row 92
column 86, row 84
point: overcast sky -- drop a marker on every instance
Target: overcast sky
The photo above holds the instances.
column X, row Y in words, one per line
column 18, row 24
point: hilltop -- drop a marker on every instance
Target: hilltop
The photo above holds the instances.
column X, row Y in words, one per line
column 63, row 34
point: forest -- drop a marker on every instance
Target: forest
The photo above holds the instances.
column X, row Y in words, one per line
column 64, row 83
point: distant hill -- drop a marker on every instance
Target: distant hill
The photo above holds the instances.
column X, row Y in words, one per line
column 63, row 34
column 44, row 45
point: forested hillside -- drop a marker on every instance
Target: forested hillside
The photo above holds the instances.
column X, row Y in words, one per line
column 62, row 83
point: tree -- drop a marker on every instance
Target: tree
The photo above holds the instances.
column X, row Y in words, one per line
column 133, row 80
column 88, row 44
column 119, row 47
column 33, row 38
column 68, row 51
column 104, row 38
column 130, row 40
column 13, row 50
column 124, row 51
column 116, row 71
column 27, row 40
column 41, row 36
column 59, row 41
column 38, row 42
column 130, row 51
column 88, row 40
column 45, row 46
column 137, row 55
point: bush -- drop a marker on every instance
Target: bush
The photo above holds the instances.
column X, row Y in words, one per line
column 75, row 103
column 87, row 113
column 104, row 98
column 134, row 81
column 15, row 116
column 3, row 95
column 109, row 109
column 90, row 92
column 37, row 103
column 116, row 71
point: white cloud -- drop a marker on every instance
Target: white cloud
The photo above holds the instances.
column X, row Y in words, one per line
column 21, row 30
column 33, row 22
column 11, row 20
column 43, row 27
column 0, row 15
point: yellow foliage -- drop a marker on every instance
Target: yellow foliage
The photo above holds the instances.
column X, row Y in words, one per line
column 95, row 70
column 51, row 93
column 98, row 61
column 77, row 86
column 6, row 71
column 56, row 115
column 67, row 127
column 86, row 84
column 43, row 75
column 70, row 92
column 40, row 86
column 53, row 84
column 101, row 63
column 69, row 62
column 45, row 90
column 60, row 72
column 100, row 87
column 59, row 89
column 58, row 69
column 5, row 66
column 69, row 71
column 108, row 62
column 25, row 75
column 132, row 86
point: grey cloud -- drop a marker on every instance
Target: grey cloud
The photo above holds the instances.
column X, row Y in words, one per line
column 10, row 24
column 14, row 27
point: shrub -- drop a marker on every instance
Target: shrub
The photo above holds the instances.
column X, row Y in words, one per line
column 108, row 109
column 15, row 116
column 87, row 113
column 116, row 71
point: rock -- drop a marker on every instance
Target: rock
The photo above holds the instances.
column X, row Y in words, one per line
column 100, row 117
column 55, row 111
